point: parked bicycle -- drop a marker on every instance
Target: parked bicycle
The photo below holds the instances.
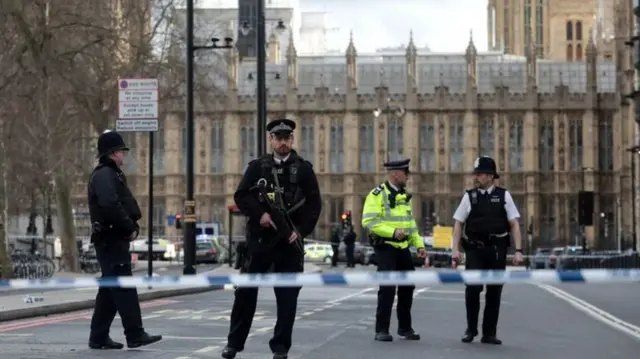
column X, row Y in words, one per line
column 32, row 265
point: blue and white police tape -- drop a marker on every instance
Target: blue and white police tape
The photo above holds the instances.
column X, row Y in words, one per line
column 351, row 279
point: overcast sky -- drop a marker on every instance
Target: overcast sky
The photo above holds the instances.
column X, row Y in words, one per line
column 443, row 25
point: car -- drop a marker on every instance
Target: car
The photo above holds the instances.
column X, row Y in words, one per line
column 358, row 253
column 206, row 252
column 553, row 257
column 440, row 257
column 540, row 258
column 318, row 253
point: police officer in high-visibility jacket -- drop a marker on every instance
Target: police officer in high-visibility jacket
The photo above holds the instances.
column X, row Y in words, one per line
column 387, row 216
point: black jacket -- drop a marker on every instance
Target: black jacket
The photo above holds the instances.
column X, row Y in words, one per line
column 305, row 218
column 111, row 203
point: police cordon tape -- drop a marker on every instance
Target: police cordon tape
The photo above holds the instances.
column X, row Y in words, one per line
column 352, row 279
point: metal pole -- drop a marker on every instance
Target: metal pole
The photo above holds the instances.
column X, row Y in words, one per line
column 230, row 251
column 261, row 74
column 150, row 209
column 189, row 210
column 633, row 200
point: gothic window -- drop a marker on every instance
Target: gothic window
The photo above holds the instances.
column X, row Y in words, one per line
column 569, row 52
column 130, row 164
column 336, row 207
column 159, row 218
column 217, row 147
column 427, row 147
column 574, row 227
column 575, row 143
column 218, row 212
column 365, row 137
column 569, row 31
column 487, row 139
column 547, row 220
column 336, row 152
column 456, row 143
column 158, row 153
column 307, row 142
column 605, row 144
column 579, row 30
column 248, row 145
column 516, row 145
column 428, row 216
column 395, row 139
column 579, row 52
column 505, row 32
column 540, row 27
column 547, row 144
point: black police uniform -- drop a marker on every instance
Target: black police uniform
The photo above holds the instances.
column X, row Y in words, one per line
column 114, row 214
column 350, row 246
column 335, row 246
column 486, row 240
column 297, row 181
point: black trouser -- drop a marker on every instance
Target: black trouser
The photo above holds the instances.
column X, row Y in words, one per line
column 109, row 301
column 349, row 249
column 392, row 259
column 484, row 258
column 336, row 254
column 284, row 260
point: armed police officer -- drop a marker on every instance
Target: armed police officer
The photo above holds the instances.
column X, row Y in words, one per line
column 387, row 215
column 335, row 245
column 290, row 178
column 490, row 219
column 114, row 214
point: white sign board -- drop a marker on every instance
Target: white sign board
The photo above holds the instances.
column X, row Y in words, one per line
column 137, row 105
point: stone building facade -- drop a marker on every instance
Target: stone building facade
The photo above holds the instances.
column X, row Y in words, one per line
column 554, row 127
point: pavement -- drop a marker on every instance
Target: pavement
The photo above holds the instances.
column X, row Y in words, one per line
column 336, row 323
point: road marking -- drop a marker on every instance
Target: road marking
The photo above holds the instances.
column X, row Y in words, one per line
column 206, row 349
column 16, row 335
column 593, row 311
column 439, row 291
column 341, row 299
column 192, row 338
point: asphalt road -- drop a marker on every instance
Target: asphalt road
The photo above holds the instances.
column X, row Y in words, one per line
column 337, row 323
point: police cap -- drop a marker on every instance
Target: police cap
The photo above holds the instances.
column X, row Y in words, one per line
column 109, row 142
column 400, row 165
column 485, row 164
column 281, row 126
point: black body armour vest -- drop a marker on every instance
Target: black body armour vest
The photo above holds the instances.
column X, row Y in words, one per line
column 488, row 215
column 288, row 178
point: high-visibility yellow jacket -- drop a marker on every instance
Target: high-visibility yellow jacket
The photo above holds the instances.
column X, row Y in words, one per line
column 382, row 215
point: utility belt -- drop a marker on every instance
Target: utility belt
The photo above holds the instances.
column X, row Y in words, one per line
column 377, row 241
column 99, row 231
column 479, row 241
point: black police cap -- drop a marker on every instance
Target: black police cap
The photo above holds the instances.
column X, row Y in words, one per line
column 281, row 126
column 398, row 165
column 485, row 164
column 109, row 142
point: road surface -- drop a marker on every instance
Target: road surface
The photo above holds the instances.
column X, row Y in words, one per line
column 338, row 323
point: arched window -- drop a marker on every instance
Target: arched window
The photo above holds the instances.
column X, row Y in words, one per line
column 579, row 30
column 569, row 52
column 569, row 31
column 579, row 52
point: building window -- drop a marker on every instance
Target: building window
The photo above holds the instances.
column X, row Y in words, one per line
column 569, row 52
column 547, row 144
column 578, row 52
column 336, row 154
column 395, row 139
column 574, row 227
column 528, row 36
column 428, row 215
column 247, row 144
column 427, row 147
column 336, row 207
column 540, row 27
column 456, row 143
column 579, row 30
column 569, row 31
column 516, row 145
column 486, row 138
column 505, row 33
column 547, row 220
column 217, row 147
column 307, row 142
column 366, row 144
column 159, row 218
column 575, row 143
column 218, row 212
column 605, row 144
column 158, row 153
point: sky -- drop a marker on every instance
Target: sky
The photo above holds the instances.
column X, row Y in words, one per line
column 442, row 25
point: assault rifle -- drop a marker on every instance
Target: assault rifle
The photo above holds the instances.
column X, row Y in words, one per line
column 279, row 214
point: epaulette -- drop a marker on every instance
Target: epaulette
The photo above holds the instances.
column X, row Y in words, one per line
column 376, row 191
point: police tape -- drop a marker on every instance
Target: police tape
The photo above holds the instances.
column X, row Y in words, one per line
column 351, row 279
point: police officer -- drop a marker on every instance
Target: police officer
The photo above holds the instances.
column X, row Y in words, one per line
column 350, row 245
column 490, row 219
column 392, row 229
column 298, row 185
column 114, row 214
column 335, row 245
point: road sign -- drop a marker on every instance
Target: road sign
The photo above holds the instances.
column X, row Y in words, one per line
column 137, row 105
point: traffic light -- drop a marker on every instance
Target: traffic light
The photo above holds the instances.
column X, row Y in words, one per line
column 346, row 217
column 178, row 221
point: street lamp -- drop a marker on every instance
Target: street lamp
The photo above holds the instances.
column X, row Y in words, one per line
column 634, row 151
column 190, row 205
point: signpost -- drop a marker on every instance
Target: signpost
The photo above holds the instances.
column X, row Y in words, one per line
column 138, row 112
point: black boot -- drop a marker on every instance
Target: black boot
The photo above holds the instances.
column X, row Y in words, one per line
column 105, row 344
column 229, row 352
column 383, row 337
column 142, row 340
column 409, row 334
column 490, row 339
column 468, row 337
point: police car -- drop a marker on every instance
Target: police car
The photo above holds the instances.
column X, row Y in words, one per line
column 318, row 253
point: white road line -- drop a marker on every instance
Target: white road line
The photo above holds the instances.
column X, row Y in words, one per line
column 206, row 349
column 341, row 299
column 192, row 338
column 593, row 311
